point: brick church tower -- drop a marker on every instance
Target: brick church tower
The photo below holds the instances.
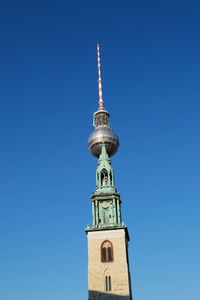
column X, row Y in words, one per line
column 108, row 264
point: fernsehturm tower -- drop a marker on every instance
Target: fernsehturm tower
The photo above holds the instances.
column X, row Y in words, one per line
column 108, row 264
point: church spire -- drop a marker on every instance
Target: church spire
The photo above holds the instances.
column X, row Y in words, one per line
column 104, row 155
column 106, row 201
column 104, row 173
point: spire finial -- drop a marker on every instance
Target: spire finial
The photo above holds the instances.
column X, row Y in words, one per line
column 99, row 80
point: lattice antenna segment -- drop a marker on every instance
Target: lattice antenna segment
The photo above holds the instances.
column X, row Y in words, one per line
column 99, row 80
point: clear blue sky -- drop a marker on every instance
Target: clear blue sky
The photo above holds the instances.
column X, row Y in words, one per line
column 150, row 56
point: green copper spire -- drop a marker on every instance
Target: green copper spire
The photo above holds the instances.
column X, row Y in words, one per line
column 106, row 203
column 104, row 174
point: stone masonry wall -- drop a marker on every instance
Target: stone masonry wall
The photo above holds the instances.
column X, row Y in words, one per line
column 118, row 269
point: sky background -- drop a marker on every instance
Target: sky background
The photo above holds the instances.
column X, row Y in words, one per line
column 150, row 57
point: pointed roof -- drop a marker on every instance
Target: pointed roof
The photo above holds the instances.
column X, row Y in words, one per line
column 104, row 155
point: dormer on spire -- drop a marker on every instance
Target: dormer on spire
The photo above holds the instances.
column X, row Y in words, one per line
column 104, row 173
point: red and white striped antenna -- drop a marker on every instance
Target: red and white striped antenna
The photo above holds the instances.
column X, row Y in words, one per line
column 99, row 80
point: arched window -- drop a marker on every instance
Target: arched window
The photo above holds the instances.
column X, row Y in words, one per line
column 107, row 252
column 108, row 284
column 104, row 177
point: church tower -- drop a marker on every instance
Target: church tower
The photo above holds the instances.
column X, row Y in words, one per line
column 108, row 264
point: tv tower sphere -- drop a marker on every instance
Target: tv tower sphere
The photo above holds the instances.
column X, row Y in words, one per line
column 102, row 132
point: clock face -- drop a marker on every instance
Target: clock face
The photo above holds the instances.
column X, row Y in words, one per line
column 105, row 204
